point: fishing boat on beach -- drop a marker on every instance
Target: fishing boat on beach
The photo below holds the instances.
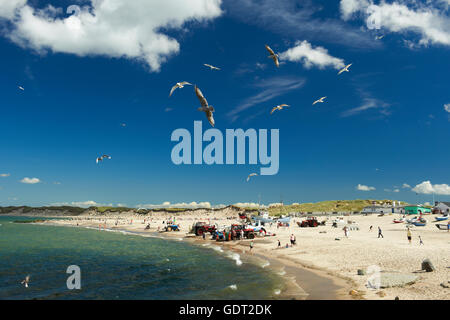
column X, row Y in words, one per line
column 441, row 226
column 442, row 218
column 420, row 222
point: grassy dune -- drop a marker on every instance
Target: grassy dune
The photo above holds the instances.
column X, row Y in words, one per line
column 327, row 206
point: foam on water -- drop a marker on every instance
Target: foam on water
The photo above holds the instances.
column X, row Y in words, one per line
column 217, row 248
column 277, row 291
column 122, row 267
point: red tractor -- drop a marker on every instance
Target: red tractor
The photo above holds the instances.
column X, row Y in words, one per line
column 201, row 227
column 309, row 222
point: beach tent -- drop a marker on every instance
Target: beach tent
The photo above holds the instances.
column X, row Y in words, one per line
column 417, row 210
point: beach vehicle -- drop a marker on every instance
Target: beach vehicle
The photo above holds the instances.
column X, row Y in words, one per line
column 441, row 218
column 309, row 222
column 202, row 227
column 441, row 226
column 172, row 227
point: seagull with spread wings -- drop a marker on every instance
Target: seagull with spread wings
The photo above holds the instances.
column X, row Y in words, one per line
column 26, row 281
column 211, row 67
column 279, row 107
column 21, row 88
column 105, row 156
column 319, row 100
column 273, row 56
column 206, row 108
column 179, row 85
column 251, row 175
column 345, row 69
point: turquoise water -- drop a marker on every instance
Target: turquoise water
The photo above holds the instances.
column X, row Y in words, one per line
column 121, row 266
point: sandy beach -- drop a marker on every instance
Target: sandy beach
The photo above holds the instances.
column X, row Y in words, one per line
column 324, row 262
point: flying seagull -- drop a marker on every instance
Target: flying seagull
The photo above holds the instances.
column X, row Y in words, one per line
column 26, row 281
column 279, row 107
column 251, row 175
column 179, row 85
column 205, row 106
column 320, row 100
column 21, row 88
column 273, row 56
column 211, row 67
column 102, row 157
column 379, row 37
column 345, row 69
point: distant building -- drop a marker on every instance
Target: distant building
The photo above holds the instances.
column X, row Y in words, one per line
column 382, row 209
column 443, row 207
column 416, row 210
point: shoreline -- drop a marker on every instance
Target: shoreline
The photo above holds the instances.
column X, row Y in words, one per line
column 314, row 284
column 325, row 252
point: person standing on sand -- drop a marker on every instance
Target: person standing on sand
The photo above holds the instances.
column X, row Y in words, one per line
column 408, row 234
column 279, row 244
column 345, row 232
column 251, row 245
column 420, row 239
column 380, row 234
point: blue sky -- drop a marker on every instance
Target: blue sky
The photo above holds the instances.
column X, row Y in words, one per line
column 385, row 123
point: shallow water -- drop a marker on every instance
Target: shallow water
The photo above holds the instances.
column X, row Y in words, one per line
column 115, row 265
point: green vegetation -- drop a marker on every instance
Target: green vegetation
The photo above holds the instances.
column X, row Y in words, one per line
column 327, row 206
column 110, row 209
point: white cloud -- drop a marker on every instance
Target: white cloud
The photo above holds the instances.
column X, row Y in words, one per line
column 396, row 190
column 167, row 204
column 311, row 57
column 298, row 19
column 249, row 205
column 447, row 107
column 349, row 7
column 270, row 89
column 427, row 188
column 276, row 204
column 88, row 203
column 362, row 187
column 112, row 28
column 428, row 20
column 368, row 103
column 9, row 8
column 30, row 180
column 4, row 175
column 406, row 186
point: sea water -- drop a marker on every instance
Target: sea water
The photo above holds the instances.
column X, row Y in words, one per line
column 118, row 265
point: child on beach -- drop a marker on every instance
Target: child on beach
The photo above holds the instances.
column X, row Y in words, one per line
column 420, row 239
column 251, row 245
